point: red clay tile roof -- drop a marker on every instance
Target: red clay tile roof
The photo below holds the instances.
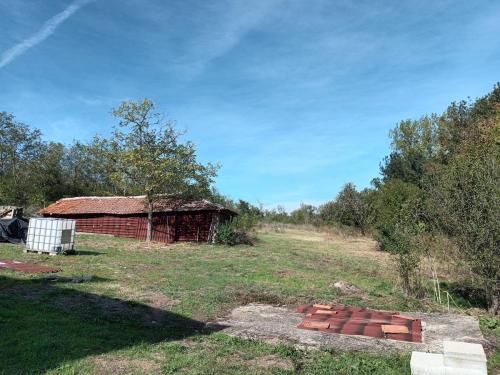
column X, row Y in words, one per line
column 125, row 206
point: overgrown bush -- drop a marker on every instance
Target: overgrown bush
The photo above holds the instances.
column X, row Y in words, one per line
column 467, row 202
column 246, row 222
column 399, row 230
column 350, row 209
column 234, row 232
column 404, row 240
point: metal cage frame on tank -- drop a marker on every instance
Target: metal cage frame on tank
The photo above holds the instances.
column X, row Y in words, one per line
column 51, row 235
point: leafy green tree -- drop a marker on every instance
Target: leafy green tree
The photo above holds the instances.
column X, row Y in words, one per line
column 466, row 200
column 391, row 198
column 48, row 175
column 87, row 169
column 414, row 144
column 305, row 214
column 350, row 208
column 248, row 215
column 462, row 122
column 246, row 208
column 278, row 214
column 327, row 212
column 404, row 240
column 400, row 222
column 149, row 158
column 20, row 147
column 454, row 124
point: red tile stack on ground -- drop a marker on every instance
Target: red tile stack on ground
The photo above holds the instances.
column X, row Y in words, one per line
column 26, row 267
column 363, row 322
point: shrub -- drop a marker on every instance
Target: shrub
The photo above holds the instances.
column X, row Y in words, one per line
column 383, row 236
column 404, row 242
column 400, row 228
column 232, row 233
column 350, row 209
column 467, row 201
column 245, row 222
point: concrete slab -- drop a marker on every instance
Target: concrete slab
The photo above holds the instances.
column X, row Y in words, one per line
column 458, row 364
column 427, row 364
column 464, row 350
column 278, row 324
column 464, row 371
column 461, row 356
column 434, row 364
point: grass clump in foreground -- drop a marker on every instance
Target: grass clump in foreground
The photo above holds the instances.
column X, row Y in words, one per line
column 144, row 309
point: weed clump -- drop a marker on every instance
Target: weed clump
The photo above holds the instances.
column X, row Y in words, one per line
column 232, row 233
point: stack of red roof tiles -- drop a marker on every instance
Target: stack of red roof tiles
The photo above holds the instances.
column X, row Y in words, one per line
column 362, row 322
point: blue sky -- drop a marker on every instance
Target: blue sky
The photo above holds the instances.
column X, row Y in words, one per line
column 294, row 98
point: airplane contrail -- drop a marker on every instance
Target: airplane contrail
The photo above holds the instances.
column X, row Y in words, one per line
column 47, row 30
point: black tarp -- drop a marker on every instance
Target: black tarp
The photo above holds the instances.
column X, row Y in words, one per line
column 13, row 230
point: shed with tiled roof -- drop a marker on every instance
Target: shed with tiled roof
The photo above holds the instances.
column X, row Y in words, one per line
column 174, row 219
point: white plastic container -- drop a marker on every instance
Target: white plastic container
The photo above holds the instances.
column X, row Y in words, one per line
column 50, row 235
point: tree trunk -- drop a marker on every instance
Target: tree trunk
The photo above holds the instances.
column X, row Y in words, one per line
column 149, row 233
column 494, row 304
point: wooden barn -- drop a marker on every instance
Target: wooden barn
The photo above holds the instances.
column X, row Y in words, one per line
column 173, row 219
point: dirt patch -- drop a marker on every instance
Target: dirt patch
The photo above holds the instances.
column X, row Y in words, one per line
column 305, row 236
column 272, row 361
column 247, row 254
column 160, row 301
column 139, row 245
column 121, row 366
column 279, row 324
column 283, row 273
column 151, row 298
column 26, row 267
column 268, row 362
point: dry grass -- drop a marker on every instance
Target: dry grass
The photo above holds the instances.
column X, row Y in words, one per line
column 123, row 366
column 270, row 362
column 348, row 244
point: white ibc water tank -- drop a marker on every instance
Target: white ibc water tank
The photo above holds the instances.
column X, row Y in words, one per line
column 51, row 235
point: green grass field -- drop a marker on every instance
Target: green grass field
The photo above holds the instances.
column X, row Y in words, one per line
column 144, row 308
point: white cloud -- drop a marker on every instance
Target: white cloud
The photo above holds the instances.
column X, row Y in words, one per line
column 221, row 28
column 47, row 30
